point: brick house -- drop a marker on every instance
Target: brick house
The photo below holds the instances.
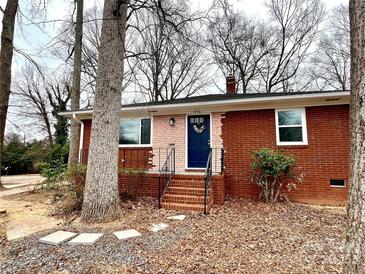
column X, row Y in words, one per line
column 197, row 151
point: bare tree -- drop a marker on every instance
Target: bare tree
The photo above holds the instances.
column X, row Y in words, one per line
column 31, row 101
column 39, row 98
column 331, row 63
column 355, row 240
column 76, row 83
column 91, row 46
column 167, row 57
column 6, row 56
column 101, row 198
column 237, row 44
column 295, row 25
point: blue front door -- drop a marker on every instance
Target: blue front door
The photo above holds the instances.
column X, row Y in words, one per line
column 198, row 140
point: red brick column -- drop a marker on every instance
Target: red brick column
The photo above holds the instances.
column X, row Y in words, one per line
column 218, row 189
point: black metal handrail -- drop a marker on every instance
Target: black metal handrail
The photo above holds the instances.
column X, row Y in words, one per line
column 166, row 172
column 207, row 180
column 215, row 164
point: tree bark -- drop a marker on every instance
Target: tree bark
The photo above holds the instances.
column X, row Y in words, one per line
column 75, row 94
column 101, row 197
column 6, row 57
column 355, row 240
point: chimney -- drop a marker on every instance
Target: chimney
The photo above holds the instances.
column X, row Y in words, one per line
column 230, row 84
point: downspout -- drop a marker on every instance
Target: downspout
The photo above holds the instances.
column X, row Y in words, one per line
column 81, row 145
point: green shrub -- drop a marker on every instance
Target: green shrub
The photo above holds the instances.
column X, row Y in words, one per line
column 39, row 166
column 73, row 192
column 59, row 153
column 69, row 194
column 273, row 172
column 20, row 157
column 15, row 159
column 76, row 177
column 54, row 174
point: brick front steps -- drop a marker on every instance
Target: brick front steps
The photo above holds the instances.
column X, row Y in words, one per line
column 186, row 192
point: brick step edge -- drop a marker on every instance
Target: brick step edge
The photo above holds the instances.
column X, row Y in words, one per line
column 187, row 184
column 186, row 190
column 185, row 199
column 186, row 207
column 187, row 177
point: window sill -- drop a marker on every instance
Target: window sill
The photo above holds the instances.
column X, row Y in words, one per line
column 135, row 146
column 293, row 146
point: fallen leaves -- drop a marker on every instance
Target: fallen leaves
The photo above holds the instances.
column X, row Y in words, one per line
column 240, row 237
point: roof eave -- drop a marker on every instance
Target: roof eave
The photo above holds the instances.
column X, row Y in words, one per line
column 300, row 100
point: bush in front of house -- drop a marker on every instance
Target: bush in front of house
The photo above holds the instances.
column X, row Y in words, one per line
column 73, row 192
column 273, row 171
column 67, row 184
column 53, row 175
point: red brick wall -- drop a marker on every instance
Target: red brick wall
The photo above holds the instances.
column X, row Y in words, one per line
column 218, row 189
column 145, row 184
column 138, row 157
column 325, row 157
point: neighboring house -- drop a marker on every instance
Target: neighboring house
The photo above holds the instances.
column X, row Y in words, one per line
column 178, row 136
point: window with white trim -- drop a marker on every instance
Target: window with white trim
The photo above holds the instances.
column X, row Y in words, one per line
column 291, row 127
column 134, row 132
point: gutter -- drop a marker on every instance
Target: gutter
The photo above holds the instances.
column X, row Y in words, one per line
column 81, row 144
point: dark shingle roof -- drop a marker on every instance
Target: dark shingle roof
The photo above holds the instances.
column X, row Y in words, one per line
column 221, row 97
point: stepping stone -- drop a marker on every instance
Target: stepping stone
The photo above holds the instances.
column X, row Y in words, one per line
column 125, row 234
column 177, row 217
column 158, row 227
column 86, row 239
column 57, row 238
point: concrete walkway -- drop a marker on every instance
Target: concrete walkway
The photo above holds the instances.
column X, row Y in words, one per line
column 24, row 217
column 16, row 184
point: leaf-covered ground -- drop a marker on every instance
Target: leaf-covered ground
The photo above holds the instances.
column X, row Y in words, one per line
column 240, row 237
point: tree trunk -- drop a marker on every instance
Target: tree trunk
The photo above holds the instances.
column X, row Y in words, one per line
column 75, row 94
column 6, row 57
column 101, row 197
column 48, row 128
column 355, row 240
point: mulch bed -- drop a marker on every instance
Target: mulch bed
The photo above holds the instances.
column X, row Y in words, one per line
column 240, row 237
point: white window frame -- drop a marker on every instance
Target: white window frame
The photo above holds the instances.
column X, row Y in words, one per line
column 344, row 184
column 140, row 124
column 303, row 126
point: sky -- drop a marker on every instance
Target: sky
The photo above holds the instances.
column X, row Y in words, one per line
column 30, row 38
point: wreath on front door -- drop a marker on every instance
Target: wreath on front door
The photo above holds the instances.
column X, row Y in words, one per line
column 198, row 128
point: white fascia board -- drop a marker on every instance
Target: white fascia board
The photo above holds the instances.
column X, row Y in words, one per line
column 300, row 100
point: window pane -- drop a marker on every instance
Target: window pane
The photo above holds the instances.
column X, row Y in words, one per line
column 129, row 131
column 146, row 131
column 291, row 134
column 290, row 118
